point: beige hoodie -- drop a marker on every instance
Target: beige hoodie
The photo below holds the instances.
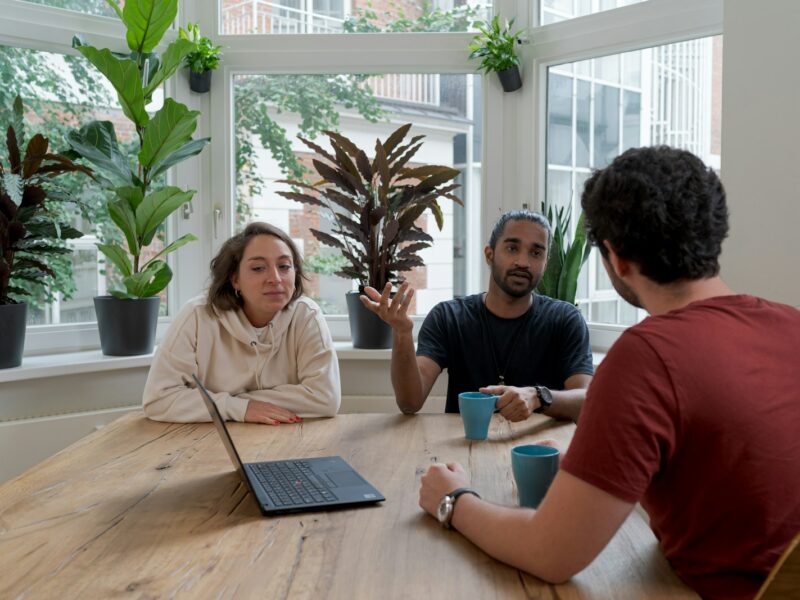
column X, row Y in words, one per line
column 294, row 366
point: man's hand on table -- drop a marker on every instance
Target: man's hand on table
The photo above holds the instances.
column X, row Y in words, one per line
column 440, row 480
column 515, row 403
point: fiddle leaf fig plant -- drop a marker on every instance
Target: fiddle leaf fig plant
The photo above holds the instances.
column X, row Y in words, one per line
column 29, row 231
column 373, row 205
column 566, row 258
column 140, row 203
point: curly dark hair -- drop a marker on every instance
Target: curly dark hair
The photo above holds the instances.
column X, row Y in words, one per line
column 221, row 293
column 662, row 208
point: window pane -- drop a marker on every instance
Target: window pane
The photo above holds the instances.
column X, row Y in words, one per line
column 59, row 92
column 561, row 10
column 665, row 95
column 271, row 110
column 90, row 7
column 559, row 120
column 348, row 16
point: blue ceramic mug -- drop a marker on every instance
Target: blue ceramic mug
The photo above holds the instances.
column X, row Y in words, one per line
column 476, row 412
column 534, row 469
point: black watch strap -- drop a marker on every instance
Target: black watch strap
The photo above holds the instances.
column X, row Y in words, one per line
column 464, row 490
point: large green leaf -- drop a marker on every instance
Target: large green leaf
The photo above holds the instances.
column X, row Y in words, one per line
column 149, row 281
column 169, row 129
column 188, row 149
column 155, row 208
column 123, row 216
column 97, row 142
column 124, row 76
column 132, row 195
column 117, row 255
column 181, row 241
column 170, row 62
column 147, row 21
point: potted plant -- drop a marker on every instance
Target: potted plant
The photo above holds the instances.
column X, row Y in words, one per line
column 139, row 201
column 495, row 46
column 29, row 231
column 204, row 59
column 566, row 258
column 373, row 207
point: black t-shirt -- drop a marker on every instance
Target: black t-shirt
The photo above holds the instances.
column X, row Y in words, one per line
column 545, row 346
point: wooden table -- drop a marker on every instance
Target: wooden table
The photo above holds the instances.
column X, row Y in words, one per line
column 155, row 510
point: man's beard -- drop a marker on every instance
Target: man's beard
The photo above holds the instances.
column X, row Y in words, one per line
column 515, row 291
column 623, row 289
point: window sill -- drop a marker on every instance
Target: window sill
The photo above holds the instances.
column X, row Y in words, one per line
column 94, row 361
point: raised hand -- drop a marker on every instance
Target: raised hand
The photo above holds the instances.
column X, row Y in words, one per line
column 393, row 311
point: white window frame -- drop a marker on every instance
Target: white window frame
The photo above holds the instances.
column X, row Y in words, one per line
column 514, row 124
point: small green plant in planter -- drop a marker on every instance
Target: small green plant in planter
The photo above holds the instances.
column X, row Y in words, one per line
column 372, row 206
column 496, row 47
column 139, row 203
column 29, row 233
column 566, row 258
column 204, row 59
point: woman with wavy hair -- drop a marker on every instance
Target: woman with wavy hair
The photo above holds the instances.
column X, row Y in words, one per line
column 257, row 343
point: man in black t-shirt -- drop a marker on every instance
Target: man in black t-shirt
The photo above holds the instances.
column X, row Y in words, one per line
column 530, row 350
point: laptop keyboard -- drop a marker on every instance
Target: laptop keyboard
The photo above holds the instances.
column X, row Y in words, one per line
column 290, row 483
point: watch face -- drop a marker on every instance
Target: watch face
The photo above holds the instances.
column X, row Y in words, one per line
column 443, row 510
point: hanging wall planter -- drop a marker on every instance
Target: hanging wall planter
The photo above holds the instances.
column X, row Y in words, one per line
column 510, row 79
column 200, row 82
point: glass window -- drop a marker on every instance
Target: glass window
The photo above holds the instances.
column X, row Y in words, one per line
column 239, row 17
column 271, row 110
column 59, row 92
column 552, row 11
column 90, row 7
column 665, row 95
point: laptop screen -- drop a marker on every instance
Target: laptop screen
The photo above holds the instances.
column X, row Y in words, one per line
column 219, row 422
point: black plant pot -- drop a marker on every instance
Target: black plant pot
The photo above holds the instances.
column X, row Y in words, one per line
column 200, row 82
column 12, row 334
column 367, row 329
column 127, row 327
column 510, row 79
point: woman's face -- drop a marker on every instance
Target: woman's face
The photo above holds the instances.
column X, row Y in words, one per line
column 265, row 278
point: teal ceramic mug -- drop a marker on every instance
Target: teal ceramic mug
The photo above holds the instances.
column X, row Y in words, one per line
column 476, row 412
column 534, row 469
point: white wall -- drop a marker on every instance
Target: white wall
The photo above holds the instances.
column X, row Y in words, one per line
column 760, row 155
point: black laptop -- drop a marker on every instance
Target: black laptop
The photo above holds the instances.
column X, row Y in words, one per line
column 306, row 484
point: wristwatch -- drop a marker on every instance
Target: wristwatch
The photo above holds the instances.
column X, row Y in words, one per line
column 444, row 512
column 545, row 398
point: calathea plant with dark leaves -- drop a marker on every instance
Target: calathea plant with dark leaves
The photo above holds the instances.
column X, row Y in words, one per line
column 373, row 205
column 29, row 232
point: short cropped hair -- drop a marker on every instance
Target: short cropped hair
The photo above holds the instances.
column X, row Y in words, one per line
column 520, row 215
column 221, row 294
column 659, row 207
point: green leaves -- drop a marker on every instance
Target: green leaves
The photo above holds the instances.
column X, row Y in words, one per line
column 97, row 142
column 170, row 61
column 147, row 22
column 565, row 259
column 124, row 75
column 168, row 138
column 495, row 46
column 155, row 208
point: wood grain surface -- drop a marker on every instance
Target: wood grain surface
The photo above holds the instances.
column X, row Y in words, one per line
column 154, row 510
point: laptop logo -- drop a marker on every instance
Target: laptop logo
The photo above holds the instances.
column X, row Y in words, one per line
column 370, row 496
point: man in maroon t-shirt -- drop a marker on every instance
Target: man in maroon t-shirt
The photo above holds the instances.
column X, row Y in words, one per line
column 695, row 412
